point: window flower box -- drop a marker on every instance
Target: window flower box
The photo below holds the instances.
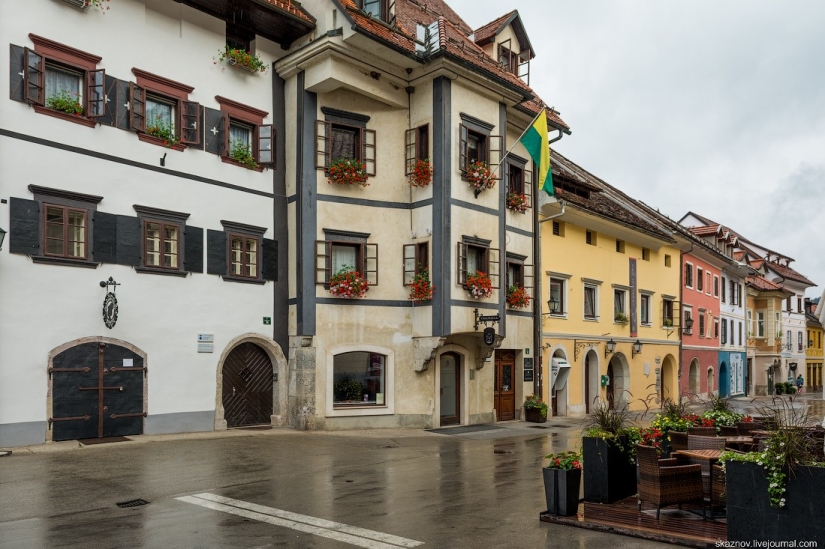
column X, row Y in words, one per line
column 242, row 154
column 347, row 171
column 422, row 173
column 620, row 318
column 163, row 131
column 517, row 202
column 518, row 298
column 65, row 102
column 479, row 285
column 83, row 4
column 348, row 283
column 421, row 287
column 241, row 59
column 479, row 177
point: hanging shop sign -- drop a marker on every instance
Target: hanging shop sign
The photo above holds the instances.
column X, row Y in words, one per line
column 110, row 308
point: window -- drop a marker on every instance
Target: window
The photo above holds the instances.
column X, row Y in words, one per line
column 508, row 58
column 702, row 323
column 590, row 237
column 788, row 304
column 417, row 147
column 383, row 10
column 475, row 255
column 688, row 275
column 243, row 256
column 619, row 303
column 66, row 232
column 476, row 144
column 248, row 142
column 558, row 304
column 558, row 228
column 644, row 309
column 344, row 135
column 667, row 312
column 63, row 82
column 760, row 324
column 161, row 245
column 667, row 260
column 799, row 308
column 359, row 379
column 590, row 301
column 688, row 326
column 724, row 332
column 699, row 279
column 715, row 286
column 161, row 113
column 416, row 260
column 750, row 324
column 777, row 326
column 724, row 283
column 708, row 285
column 799, row 342
column 620, row 246
column 519, row 178
column 240, row 253
column 739, row 330
column 715, row 328
column 345, row 250
column 738, row 295
column 645, row 254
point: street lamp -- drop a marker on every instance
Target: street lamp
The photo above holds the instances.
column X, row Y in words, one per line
column 609, row 347
column 637, row 349
column 2, row 237
column 688, row 325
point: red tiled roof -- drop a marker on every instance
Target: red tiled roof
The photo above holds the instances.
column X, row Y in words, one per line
column 787, row 272
column 704, row 231
column 738, row 255
column 762, row 283
column 288, row 7
column 757, row 263
column 535, row 105
column 484, row 33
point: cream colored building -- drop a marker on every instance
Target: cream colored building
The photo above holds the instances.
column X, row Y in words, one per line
column 386, row 90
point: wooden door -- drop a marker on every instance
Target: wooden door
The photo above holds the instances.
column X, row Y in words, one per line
column 504, row 395
column 97, row 392
column 610, row 384
column 247, row 386
column 450, row 397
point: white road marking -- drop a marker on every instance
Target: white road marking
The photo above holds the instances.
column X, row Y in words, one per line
column 353, row 535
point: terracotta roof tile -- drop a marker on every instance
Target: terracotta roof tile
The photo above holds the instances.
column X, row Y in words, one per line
column 704, row 231
column 288, row 7
column 738, row 256
column 757, row 263
column 762, row 283
column 484, row 33
column 787, row 272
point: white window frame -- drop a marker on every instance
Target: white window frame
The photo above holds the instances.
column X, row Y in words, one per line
column 760, row 324
column 687, row 312
column 692, row 275
column 389, row 383
column 715, row 286
column 565, row 305
column 645, row 296
column 625, row 295
column 596, row 296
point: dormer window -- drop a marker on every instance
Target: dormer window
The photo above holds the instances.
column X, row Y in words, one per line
column 383, row 10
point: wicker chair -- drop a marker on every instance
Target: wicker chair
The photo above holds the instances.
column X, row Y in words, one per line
column 729, row 430
column 663, row 483
column 745, row 427
column 702, row 431
column 705, row 443
column 678, row 440
column 718, row 498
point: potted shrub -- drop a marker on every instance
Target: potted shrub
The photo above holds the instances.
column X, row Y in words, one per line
column 242, row 59
column 479, row 285
column 535, row 410
column 348, row 282
column 517, row 297
column 347, row 171
column 517, row 202
column 422, row 173
column 479, row 177
column 562, row 483
column 421, row 288
column 607, row 448
column 66, row 102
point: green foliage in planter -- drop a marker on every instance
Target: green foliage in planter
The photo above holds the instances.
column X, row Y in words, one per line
column 163, row 130
column 620, row 317
column 65, row 102
column 241, row 153
column 615, row 424
column 535, row 402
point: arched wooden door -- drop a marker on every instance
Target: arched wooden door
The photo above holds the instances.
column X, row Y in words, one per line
column 247, row 386
column 504, row 393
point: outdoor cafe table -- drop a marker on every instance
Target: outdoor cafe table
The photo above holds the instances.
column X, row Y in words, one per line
column 739, row 441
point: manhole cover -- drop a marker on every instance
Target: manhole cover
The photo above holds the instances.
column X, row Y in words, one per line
column 133, row 503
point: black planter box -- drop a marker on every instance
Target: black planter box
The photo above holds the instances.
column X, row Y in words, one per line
column 608, row 473
column 534, row 415
column 750, row 515
column 561, row 491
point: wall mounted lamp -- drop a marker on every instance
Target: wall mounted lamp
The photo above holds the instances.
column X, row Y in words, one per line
column 637, row 349
column 688, row 325
column 609, row 347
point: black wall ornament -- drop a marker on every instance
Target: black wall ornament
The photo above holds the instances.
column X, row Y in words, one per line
column 110, row 303
column 489, row 336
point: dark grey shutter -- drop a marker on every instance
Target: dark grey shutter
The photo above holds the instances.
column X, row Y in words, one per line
column 213, row 130
column 121, row 107
column 24, row 229
column 110, row 100
column 269, row 260
column 215, row 252
column 128, row 240
column 105, row 237
column 193, row 249
column 17, row 71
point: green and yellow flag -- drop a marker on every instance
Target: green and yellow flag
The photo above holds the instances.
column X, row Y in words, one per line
column 536, row 142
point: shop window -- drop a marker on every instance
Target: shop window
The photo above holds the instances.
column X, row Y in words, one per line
column 359, row 379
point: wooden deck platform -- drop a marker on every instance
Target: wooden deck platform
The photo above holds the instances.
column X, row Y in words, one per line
column 681, row 527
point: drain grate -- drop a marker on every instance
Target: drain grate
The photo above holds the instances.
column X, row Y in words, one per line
column 132, row 503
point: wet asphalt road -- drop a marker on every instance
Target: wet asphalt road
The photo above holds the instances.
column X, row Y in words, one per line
column 475, row 491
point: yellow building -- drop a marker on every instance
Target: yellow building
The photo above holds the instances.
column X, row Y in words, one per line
column 610, row 290
column 814, row 354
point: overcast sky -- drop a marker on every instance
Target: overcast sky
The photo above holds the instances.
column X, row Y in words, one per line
column 712, row 106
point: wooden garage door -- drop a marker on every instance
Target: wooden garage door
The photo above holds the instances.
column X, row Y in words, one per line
column 247, row 386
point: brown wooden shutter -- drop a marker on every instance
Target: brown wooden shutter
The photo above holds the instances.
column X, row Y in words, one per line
column 266, row 145
column 494, row 147
column 527, row 175
column 137, row 107
column 213, row 127
column 227, row 146
column 528, row 275
column 462, row 147
column 494, row 266
column 96, row 93
column 368, row 154
column 17, row 73
column 410, row 150
column 461, row 263
column 409, row 263
column 323, row 134
column 190, row 127
column 35, row 82
column 323, row 261
column 370, row 255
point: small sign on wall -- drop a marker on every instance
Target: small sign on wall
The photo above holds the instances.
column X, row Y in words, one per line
column 267, row 321
column 206, row 343
column 528, row 369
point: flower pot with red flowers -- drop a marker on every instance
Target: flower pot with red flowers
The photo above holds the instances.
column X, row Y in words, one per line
column 347, row 171
column 421, row 288
column 562, row 482
column 479, row 177
column 348, row 283
column 479, row 285
column 164, row 131
column 517, row 297
column 422, row 173
column 64, row 101
column 241, row 59
column 83, row 4
column 517, row 202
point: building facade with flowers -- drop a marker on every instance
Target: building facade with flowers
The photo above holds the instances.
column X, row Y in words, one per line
column 144, row 271
column 410, row 231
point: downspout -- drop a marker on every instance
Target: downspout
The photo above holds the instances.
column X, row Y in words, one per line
column 537, row 349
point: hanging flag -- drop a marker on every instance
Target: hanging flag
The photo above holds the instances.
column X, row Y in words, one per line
column 537, row 143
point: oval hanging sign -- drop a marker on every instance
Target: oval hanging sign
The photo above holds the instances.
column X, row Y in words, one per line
column 110, row 310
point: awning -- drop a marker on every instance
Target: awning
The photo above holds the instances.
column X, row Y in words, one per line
column 560, row 369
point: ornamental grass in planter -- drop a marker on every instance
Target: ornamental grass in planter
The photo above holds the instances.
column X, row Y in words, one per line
column 517, row 297
column 347, row 171
column 348, row 282
column 608, row 449
column 562, row 483
column 479, row 285
column 422, row 173
column 535, row 410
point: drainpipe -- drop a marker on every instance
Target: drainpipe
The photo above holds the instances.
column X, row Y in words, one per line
column 538, row 371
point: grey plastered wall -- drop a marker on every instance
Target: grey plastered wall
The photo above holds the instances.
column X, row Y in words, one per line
column 183, row 422
column 22, row 434
column 306, row 207
column 280, row 305
column 442, row 176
